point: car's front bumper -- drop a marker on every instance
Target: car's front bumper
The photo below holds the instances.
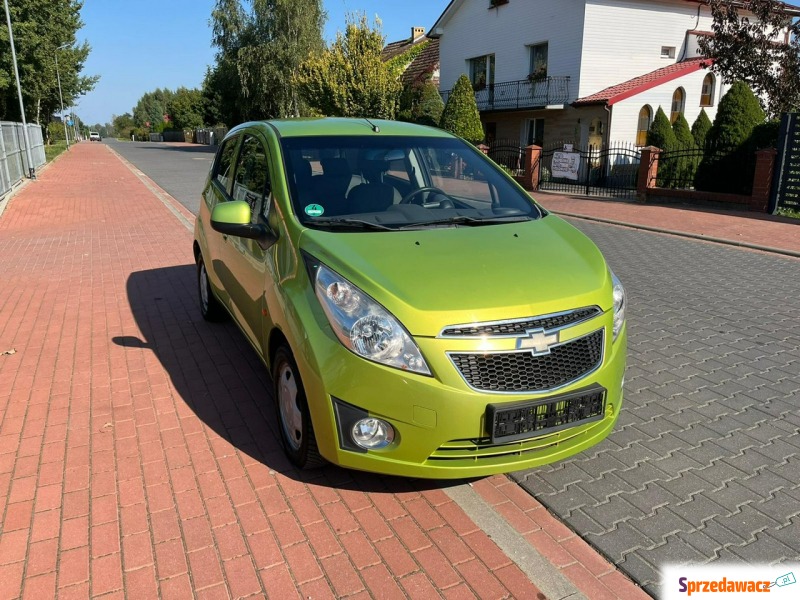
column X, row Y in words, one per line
column 439, row 421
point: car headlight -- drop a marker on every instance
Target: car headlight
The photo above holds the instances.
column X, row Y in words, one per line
column 362, row 325
column 619, row 305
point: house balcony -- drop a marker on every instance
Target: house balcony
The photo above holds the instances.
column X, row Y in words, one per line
column 522, row 94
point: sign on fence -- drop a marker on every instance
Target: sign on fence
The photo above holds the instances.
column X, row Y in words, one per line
column 786, row 180
column 566, row 165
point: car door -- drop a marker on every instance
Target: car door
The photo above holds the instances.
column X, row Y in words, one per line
column 247, row 259
column 218, row 190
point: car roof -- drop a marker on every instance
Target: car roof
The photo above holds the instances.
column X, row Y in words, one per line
column 339, row 126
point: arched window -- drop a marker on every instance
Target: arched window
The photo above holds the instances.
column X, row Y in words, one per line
column 678, row 104
column 645, row 118
column 707, row 93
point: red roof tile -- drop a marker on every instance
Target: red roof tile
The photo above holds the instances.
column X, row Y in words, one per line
column 637, row 85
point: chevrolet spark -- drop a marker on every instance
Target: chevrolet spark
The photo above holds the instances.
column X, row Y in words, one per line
column 419, row 313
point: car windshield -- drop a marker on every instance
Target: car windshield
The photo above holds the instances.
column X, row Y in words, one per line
column 383, row 183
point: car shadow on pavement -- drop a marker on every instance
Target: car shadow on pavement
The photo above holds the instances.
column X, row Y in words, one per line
column 218, row 375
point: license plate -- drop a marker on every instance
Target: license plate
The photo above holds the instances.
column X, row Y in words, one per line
column 522, row 420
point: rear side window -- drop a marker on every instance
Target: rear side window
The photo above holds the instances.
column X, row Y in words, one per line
column 224, row 165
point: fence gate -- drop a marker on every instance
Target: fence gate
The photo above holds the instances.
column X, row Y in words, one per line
column 592, row 171
column 786, row 178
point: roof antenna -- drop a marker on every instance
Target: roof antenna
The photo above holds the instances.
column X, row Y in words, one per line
column 375, row 128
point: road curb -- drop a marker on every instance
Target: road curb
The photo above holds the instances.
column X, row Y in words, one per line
column 539, row 570
column 685, row 234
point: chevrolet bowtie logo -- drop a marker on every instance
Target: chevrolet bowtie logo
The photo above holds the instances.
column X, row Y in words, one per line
column 539, row 341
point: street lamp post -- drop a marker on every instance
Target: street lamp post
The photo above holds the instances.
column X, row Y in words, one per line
column 31, row 169
column 60, row 97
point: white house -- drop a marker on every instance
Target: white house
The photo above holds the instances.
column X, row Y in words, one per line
column 587, row 72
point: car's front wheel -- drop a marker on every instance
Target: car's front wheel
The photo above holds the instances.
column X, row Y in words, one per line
column 210, row 307
column 297, row 432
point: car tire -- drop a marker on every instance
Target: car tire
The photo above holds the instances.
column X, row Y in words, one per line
column 291, row 407
column 210, row 307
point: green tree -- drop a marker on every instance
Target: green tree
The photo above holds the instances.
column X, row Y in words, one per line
column 660, row 133
column 151, row 111
column 349, row 79
column 756, row 41
column 258, row 51
column 186, row 108
column 726, row 166
column 700, row 128
column 738, row 114
column 123, row 125
column 683, row 135
column 460, row 115
column 684, row 162
column 40, row 29
column 421, row 103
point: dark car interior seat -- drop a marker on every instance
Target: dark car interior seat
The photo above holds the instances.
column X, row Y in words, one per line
column 330, row 188
column 375, row 195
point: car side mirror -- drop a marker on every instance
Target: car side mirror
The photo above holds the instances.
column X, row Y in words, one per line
column 233, row 218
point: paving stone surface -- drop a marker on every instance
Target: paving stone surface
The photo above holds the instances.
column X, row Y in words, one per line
column 704, row 464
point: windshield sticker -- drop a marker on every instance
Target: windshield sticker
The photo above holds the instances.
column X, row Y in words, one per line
column 314, row 210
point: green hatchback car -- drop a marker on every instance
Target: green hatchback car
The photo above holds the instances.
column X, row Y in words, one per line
column 420, row 314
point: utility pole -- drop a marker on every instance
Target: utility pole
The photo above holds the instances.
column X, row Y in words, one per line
column 60, row 97
column 31, row 169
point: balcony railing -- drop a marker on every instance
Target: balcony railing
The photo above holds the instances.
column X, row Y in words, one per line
column 513, row 95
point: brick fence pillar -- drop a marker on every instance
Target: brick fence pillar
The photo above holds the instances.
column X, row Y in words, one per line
column 762, row 179
column 648, row 171
column 533, row 167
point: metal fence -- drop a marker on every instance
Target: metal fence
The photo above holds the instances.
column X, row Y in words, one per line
column 596, row 170
column 721, row 169
column 509, row 155
column 13, row 158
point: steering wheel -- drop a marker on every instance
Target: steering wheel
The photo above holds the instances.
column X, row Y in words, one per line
column 407, row 198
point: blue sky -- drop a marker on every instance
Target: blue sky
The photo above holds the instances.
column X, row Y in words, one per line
column 139, row 45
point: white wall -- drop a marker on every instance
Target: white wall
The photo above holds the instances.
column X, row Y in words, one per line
column 625, row 115
column 622, row 39
column 507, row 31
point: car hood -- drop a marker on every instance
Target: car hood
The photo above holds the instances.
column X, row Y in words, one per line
column 433, row 278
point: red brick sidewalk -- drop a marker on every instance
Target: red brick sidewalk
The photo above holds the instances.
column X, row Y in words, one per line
column 737, row 227
column 135, row 458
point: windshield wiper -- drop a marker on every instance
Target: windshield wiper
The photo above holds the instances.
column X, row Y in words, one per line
column 348, row 223
column 471, row 221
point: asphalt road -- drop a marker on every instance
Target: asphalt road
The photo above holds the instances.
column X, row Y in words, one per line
column 704, row 464
column 180, row 170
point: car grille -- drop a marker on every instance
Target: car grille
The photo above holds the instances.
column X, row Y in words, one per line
column 524, row 372
column 502, row 328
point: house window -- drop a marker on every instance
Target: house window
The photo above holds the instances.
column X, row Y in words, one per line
column 667, row 51
column 538, row 65
column 645, row 118
column 707, row 94
column 481, row 71
column 536, row 132
column 678, row 104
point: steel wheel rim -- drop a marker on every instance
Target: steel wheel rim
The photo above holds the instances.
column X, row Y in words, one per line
column 203, row 287
column 291, row 417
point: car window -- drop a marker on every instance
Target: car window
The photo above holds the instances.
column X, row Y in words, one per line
column 224, row 163
column 392, row 182
column 452, row 173
column 252, row 182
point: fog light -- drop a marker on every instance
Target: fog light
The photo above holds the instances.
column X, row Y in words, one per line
column 372, row 433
